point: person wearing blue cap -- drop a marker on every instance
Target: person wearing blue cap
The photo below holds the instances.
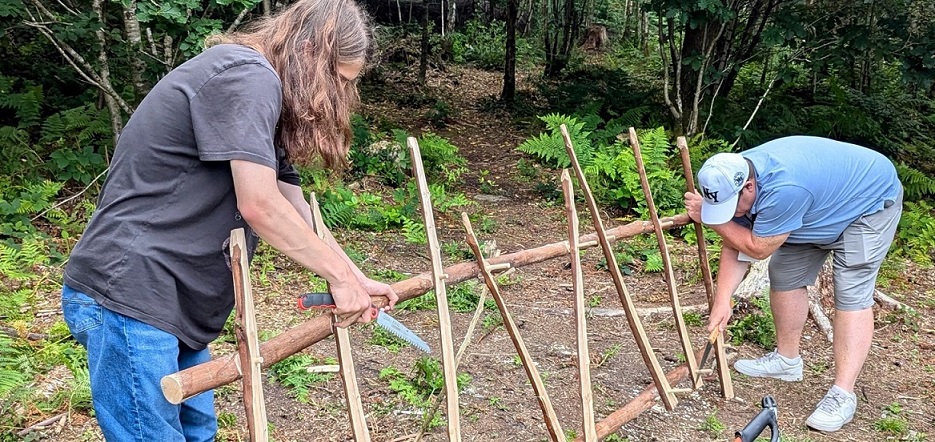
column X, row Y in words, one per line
column 798, row 199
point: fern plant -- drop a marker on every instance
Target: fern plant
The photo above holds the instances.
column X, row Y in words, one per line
column 549, row 147
column 916, row 184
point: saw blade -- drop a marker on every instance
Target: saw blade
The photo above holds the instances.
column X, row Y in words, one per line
column 395, row 327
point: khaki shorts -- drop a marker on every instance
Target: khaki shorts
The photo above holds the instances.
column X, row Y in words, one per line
column 857, row 255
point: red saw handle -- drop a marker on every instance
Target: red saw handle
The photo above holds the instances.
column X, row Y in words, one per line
column 316, row 300
column 323, row 301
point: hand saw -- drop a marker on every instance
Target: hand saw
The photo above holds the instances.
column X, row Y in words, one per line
column 390, row 324
column 707, row 349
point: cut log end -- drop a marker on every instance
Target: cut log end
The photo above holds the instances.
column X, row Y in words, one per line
column 172, row 389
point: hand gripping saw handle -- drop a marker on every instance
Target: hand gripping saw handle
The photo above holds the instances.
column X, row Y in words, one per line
column 390, row 324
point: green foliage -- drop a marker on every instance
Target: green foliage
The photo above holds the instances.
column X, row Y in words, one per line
column 19, row 204
column 419, row 386
column 549, row 148
column 382, row 338
column 713, row 426
column 293, row 374
column 916, row 184
column 484, row 45
column 17, row 261
column 440, row 114
column 915, row 237
column 755, row 326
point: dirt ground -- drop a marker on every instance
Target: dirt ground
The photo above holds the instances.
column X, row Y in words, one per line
column 498, row 403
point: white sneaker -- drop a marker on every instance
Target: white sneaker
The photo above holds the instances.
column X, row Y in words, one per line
column 773, row 365
column 835, row 409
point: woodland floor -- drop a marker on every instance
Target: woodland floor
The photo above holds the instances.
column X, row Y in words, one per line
column 498, row 403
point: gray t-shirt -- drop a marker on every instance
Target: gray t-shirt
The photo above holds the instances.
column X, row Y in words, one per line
column 156, row 248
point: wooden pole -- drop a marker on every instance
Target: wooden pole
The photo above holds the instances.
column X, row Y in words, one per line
column 248, row 345
column 727, row 385
column 684, row 337
column 636, row 326
column 223, row 370
column 441, row 297
column 581, row 324
column 642, row 402
column 548, row 413
column 342, row 339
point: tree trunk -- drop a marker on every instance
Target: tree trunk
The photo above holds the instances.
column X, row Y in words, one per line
column 223, row 370
column 131, row 26
column 424, row 56
column 452, row 15
column 116, row 117
column 509, row 68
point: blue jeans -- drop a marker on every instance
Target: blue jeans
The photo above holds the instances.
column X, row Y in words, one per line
column 127, row 360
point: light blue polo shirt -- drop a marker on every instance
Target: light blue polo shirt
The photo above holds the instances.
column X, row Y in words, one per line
column 813, row 188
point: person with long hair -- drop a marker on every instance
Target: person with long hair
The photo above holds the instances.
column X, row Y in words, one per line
column 208, row 150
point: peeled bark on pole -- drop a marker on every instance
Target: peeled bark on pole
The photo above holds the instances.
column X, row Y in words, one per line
column 223, row 370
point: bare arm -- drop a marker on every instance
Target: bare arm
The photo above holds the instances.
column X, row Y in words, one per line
column 729, row 276
column 742, row 239
column 296, row 197
column 275, row 219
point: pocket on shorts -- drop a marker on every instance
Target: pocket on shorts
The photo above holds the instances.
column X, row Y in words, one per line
column 81, row 312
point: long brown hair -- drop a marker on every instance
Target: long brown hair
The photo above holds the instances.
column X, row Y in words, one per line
column 304, row 43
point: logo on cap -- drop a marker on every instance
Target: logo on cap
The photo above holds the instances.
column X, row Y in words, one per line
column 709, row 195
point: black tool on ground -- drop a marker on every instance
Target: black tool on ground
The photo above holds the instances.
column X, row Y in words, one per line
column 769, row 417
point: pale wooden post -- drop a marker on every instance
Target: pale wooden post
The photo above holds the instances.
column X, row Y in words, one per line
column 441, row 297
column 636, row 325
column 727, row 385
column 684, row 337
column 248, row 346
column 548, row 413
column 577, row 283
column 342, row 339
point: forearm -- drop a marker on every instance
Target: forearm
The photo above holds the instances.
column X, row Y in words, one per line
column 296, row 198
column 285, row 230
column 730, row 274
column 739, row 238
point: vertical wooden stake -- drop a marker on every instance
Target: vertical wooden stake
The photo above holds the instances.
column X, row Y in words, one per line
column 666, row 263
column 548, row 413
column 727, row 385
column 441, row 297
column 248, row 346
column 577, row 283
column 342, row 339
column 636, row 326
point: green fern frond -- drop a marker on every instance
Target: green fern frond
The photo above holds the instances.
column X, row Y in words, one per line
column 916, row 184
column 549, row 148
column 653, row 263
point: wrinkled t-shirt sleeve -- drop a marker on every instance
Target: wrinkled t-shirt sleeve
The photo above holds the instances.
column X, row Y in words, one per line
column 286, row 171
column 234, row 115
column 781, row 211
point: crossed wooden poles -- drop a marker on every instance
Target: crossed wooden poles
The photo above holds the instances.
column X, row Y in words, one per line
column 252, row 356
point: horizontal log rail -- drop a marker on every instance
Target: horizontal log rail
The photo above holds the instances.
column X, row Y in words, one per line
column 225, row 369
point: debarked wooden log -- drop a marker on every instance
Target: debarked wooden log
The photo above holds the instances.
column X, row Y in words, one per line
column 225, row 369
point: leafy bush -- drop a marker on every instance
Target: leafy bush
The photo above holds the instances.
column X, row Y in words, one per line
column 484, row 45
column 915, row 237
column 755, row 326
column 609, row 164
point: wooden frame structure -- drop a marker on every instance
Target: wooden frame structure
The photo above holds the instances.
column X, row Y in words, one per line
column 223, row 370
